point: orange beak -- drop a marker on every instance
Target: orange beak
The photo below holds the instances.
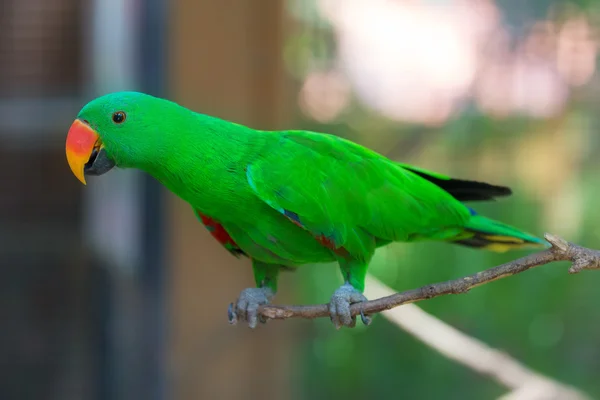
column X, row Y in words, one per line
column 81, row 141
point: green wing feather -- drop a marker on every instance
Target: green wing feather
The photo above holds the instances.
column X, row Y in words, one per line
column 353, row 197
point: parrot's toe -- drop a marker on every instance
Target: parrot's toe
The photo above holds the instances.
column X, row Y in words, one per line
column 246, row 308
column 339, row 306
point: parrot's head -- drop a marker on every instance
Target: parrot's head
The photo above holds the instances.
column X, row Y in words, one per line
column 118, row 129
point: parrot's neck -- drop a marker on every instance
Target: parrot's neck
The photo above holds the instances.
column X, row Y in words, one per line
column 204, row 162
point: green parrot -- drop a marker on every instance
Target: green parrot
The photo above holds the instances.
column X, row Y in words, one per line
column 284, row 198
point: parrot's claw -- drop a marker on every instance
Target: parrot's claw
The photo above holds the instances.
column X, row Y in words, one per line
column 247, row 305
column 339, row 307
column 231, row 315
column 366, row 320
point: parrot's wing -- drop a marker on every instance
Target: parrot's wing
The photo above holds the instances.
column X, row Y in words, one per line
column 347, row 196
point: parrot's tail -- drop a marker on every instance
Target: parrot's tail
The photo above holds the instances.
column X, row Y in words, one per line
column 485, row 233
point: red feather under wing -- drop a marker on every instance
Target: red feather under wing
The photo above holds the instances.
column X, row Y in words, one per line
column 220, row 234
column 324, row 240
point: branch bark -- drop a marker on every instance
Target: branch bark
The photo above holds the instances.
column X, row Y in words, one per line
column 581, row 258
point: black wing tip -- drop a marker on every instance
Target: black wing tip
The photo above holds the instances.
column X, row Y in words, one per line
column 476, row 191
column 466, row 190
column 492, row 190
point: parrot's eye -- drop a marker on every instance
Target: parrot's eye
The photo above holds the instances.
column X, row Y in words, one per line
column 118, row 117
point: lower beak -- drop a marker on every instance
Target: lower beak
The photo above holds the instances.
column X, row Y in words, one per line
column 81, row 141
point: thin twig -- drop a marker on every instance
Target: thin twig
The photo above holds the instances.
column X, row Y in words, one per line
column 581, row 258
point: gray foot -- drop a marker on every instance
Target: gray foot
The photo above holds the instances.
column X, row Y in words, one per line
column 246, row 308
column 339, row 306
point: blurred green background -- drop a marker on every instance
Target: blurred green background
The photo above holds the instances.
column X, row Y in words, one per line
column 114, row 291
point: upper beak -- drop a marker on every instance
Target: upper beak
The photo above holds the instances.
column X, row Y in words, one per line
column 81, row 141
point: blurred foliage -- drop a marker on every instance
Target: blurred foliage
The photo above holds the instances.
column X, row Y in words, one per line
column 544, row 317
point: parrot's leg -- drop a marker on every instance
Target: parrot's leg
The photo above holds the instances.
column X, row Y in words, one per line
column 349, row 293
column 246, row 308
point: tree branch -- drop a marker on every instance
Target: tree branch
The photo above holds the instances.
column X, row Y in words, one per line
column 581, row 258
